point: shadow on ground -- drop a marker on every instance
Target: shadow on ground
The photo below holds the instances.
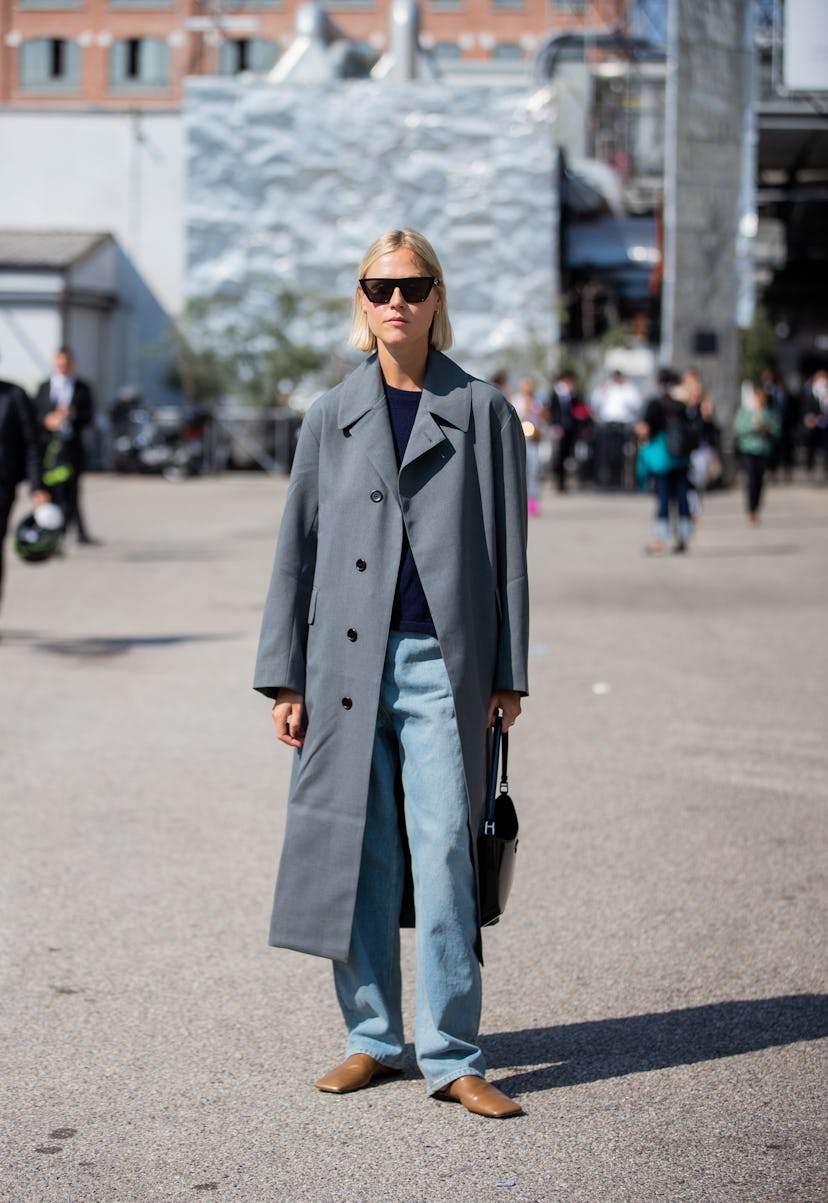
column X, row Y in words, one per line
column 611, row 1048
column 97, row 646
column 729, row 553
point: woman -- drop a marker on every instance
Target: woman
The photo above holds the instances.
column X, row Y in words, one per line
column 532, row 414
column 667, row 440
column 395, row 627
column 705, row 465
column 756, row 427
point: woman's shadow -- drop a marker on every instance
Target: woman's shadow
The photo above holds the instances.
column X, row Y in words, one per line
column 611, row 1048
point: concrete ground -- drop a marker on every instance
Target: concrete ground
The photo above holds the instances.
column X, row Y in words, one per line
column 656, row 995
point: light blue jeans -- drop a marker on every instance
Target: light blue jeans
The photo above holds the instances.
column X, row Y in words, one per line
column 417, row 733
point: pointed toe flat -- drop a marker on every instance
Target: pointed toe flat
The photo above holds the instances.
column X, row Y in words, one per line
column 354, row 1073
column 479, row 1096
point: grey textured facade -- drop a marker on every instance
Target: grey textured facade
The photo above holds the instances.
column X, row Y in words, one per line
column 288, row 184
column 706, row 191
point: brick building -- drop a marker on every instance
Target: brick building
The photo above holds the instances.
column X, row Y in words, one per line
column 135, row 54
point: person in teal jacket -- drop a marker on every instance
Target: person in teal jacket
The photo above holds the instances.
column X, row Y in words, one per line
column 756, row 427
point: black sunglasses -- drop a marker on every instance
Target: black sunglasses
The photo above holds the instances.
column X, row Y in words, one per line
column 414, row 289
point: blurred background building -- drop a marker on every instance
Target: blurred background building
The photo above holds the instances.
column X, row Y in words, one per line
column 137, row 53
column 94, row 114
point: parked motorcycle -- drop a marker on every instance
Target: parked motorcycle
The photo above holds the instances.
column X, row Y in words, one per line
column 168, row 439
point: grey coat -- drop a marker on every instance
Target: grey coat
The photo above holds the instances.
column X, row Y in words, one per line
column 461, row 493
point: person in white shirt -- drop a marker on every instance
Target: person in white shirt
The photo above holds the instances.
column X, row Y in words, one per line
column 617, row 400
column 616, row 406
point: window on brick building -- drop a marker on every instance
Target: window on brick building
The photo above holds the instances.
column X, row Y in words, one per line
column 446, row 50
column 512, row 5
column 136, row 63
column 146, row 5
column 49, row 65
column 507, row 51
column 247, row 54
column 43, row 4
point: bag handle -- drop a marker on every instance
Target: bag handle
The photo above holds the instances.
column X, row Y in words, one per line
column 500, row 755
column 504, row 763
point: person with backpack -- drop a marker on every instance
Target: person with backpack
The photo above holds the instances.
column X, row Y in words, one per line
column 668, row 438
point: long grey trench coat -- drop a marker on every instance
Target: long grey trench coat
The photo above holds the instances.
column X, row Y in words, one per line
column 461, row 492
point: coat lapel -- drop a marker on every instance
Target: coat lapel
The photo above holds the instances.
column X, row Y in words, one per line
column 363, row 415
column 446, row 399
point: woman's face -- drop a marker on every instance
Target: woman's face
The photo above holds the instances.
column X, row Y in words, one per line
column 399, row 323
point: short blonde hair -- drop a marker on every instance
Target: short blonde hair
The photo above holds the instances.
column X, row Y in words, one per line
column 395, row 240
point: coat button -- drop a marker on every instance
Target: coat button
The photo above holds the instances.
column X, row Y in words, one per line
column 361, row 565
column 347, row 703
column 376, row 495
column 352, row 635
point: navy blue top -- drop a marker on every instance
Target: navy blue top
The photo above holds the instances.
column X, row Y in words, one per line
column 410, row 611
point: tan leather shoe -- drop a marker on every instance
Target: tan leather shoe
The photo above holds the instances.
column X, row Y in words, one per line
column 479, row 1096
column 356, row 1071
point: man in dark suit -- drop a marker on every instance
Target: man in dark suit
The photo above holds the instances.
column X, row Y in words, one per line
column 19, row 454
column 567, row 416
column 65, row 408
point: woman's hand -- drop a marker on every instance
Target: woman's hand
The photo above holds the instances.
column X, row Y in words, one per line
column 288, row 718
column 507, row 700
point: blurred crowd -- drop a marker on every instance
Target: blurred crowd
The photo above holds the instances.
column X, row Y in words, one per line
column 671, row 442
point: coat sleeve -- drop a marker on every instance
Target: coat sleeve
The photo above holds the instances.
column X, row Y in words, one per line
column 511, row 671
column 280, row 662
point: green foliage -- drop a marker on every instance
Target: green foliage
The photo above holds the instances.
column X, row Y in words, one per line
column 758, row 345
column 258, row 352
column 616, row 335
column 535, row 357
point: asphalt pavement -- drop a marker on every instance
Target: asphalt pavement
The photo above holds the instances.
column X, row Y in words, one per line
column 656, row 996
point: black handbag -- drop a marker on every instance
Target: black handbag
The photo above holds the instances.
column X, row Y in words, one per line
column 498, row 840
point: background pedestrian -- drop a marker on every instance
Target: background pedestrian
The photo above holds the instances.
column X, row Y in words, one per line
column 616, row 407
column 756, row 427
column 532, row 413
column 815, row 420
column 565, row 405
column 19, row 456
column 65, row 409
column 668, row 439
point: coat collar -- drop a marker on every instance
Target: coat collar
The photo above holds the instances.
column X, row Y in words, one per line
column 363, row 412
column 446, row 393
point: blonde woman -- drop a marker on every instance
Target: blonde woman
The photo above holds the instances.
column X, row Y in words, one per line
column 532, row 413
column 394, row 629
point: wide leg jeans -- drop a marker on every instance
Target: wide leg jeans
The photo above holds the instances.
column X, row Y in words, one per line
column 416, row 733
